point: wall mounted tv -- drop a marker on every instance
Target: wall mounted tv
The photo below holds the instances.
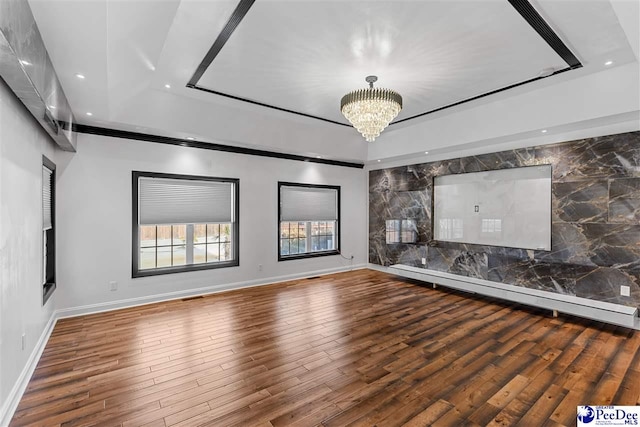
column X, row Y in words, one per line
column 507, row 207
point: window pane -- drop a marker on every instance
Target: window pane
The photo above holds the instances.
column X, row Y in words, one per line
column 284, row 246
column 293, row 237
column 164, row 256
column 225, row 232
column 293, row 246
column 302, row 245
column 179, row 255
column 323, row 243
column 147, row 236
column 199, row 233
column 147, row 258
column 213, row 232
column 179, row 234
column 225, row 251
column 164, row 235
column 331, row 226
column 213, row 253
column 200, row 254
column 284, row 229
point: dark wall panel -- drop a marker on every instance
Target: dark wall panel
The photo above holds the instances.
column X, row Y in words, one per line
column 595, row 230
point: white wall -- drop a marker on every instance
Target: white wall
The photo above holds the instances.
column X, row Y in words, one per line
column 22, row 144
column 94, row 220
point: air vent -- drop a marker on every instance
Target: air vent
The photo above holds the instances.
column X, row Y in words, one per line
column 49, row 120
column 26, row 68
column 191, row 298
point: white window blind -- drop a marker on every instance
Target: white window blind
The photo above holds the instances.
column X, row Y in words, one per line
column 46, row 198
column 183, row 201
column 308, row 204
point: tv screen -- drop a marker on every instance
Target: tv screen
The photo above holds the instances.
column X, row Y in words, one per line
column 507, row 207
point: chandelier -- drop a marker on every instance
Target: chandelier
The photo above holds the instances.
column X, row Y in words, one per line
column 370, row 110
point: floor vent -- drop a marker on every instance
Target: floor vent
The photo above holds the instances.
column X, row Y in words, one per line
column 314, row 277
column 191, row 298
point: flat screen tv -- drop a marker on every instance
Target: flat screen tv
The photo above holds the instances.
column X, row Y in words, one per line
column 507, row 207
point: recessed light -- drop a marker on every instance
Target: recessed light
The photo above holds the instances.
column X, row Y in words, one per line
column 426, row 152
column 378, row 160
column 89, row 113
column 80, row 76
column 190, row 138
column 608, row 63
column 23, row 62
column 168, row 86
column 543, row 131
column 318, row 157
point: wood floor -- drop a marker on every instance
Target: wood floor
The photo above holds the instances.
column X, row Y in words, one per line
column 360, row 348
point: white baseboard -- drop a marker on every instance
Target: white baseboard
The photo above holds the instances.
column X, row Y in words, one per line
column 151, row 299
column 11, row 404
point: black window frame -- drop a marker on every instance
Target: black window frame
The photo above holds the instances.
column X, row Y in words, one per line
column 49, row 251
column 135, row 231
column 305, row 255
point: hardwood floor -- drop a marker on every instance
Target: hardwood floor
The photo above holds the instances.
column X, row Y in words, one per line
column 360, row 348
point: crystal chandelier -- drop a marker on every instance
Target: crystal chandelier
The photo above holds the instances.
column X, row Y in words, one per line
column 370, row 110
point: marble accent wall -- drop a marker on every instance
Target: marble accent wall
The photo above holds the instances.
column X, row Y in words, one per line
column 595, row 220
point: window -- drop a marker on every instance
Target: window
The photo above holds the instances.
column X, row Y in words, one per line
column 308, row 220
column 183, row 223
column 48, row 229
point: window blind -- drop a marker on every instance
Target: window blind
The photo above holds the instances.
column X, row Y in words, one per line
column 46, row 198
column 308, row 204
column 182, row 201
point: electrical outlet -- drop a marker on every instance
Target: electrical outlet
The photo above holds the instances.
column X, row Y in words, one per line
column 625, row 291
column 113, row 286
column 424, row 261
column 259, row 267
column 24, row 341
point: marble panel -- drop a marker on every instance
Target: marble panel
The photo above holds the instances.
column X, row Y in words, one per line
column 614, row 245
column 380, row 206
column 411, row 204
column 603, row 284
column 624, row 201
column 470, row 264
column 568, row 245
column 441, row 258
column 404, row 178
column 580, row 201
column 532, row 274
column 601, row 157
column 462, row 262
column 378, row 253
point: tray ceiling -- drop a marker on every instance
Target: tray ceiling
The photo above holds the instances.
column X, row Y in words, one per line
column 140, row 56
column 283, row 54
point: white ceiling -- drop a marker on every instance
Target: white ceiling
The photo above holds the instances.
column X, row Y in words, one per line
column 303, row 56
